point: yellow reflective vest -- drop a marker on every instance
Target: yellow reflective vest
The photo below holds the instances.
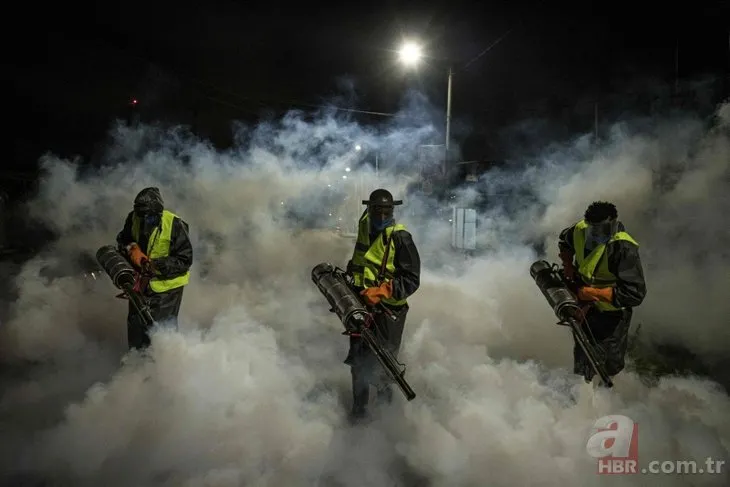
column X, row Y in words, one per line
column 367, row 258
column 159, row 246
column 593, row 268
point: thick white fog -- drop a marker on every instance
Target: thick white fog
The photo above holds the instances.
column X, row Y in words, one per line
column 252, row 389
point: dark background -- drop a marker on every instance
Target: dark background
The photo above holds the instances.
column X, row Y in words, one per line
column 73, row 69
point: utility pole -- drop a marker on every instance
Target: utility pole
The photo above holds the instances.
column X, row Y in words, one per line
column 448, row 121
column 676, row 67
column 727, row 74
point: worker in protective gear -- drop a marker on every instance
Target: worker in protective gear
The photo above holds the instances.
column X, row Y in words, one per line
column 157, row 243
column 385, row 269
column 602, row 261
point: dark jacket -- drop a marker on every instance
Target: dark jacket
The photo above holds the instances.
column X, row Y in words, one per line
column 623, row 262
column 180, row 258
column 407, row 263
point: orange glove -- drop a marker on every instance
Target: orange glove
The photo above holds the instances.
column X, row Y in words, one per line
column 373, row 295
column 604, row 294
column 136, row 255
column 568, row 268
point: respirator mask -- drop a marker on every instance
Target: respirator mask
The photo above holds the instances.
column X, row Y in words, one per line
column 149, row 220
column 380, row 217
column 601, row 233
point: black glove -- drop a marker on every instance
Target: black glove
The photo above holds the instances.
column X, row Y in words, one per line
column 159, row 266
column 148, row 268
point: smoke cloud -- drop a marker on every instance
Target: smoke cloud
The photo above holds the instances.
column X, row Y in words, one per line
column 252, row 389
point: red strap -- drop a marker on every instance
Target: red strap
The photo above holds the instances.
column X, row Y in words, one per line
column 140, row 283
column 368, row 324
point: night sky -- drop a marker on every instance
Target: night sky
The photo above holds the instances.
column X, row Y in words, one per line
column 74, row 69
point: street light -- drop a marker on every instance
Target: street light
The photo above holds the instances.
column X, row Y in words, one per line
column 359, row 148
column 410, row 54
column 354, row 195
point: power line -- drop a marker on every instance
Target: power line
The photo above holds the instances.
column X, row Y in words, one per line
column 500, row 39
column 291, row 103
column 261, row 101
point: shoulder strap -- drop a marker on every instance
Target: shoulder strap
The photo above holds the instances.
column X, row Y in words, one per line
column 383, row 264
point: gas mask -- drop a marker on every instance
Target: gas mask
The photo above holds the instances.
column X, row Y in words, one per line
column 601, row 233
column 380, row 217
column 149, row 221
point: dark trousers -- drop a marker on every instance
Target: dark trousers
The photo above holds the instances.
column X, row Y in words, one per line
column 364, row 366
column 164, row 308
column 611, row 332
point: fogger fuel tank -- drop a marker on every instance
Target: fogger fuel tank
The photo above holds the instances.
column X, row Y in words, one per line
column 555, row 291
column 119, row 269
column 345, row 303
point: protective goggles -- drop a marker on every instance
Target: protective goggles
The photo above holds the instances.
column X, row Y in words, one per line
column 385, row 211
column 603, row 231
column 147, row 217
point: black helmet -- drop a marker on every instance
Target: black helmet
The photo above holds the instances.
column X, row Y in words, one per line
column 149, row 202
column 381, row 197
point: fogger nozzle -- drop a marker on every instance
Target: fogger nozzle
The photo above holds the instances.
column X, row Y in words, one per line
column 557, row 294
column 343, row 300
column 119, row 269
